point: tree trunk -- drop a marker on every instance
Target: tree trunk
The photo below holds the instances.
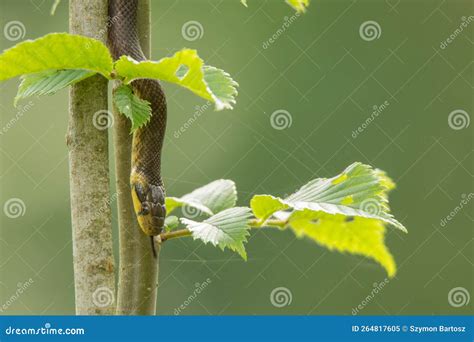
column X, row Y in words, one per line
column 138, row 272
column 87, row 141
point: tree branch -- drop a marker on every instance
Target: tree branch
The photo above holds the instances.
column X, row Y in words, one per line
column 94, row 277
column 138, row 272
column 254, row 223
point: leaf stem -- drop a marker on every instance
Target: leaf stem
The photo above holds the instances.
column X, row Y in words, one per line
column 254, row 223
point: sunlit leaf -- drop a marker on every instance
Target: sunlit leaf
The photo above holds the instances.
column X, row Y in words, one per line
column 229, row 228
column 186, row 69
column 55, row 51
column 209, row 199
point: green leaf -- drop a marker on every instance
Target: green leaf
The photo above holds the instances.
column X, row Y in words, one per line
column 360, row 235
column 186, row 69
column 55, row 51
column 49, row 82
column 229, row 228
column 298, row 5
column 209, row 199
column 347, row 213
column 263, row 206
column 358, row 191
column 171, row 222
column 133, row 107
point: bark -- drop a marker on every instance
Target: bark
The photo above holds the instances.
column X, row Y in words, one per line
column 138, row 271
column 89, row 175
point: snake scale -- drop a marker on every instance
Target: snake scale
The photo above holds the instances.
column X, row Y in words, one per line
column 148, row 192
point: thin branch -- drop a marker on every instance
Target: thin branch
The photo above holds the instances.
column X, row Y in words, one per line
column 138, row 272
column 254, row 223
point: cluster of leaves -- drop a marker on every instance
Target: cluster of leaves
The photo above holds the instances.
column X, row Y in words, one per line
column 347, row 213
column 45, row 66
column 55, row 61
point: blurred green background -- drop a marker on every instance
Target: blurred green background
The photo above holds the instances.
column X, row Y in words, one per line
column 328, row 79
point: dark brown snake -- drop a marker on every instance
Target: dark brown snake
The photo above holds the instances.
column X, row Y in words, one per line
column 148, row 192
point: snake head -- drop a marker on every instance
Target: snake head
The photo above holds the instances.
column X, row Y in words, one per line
column 149, row 205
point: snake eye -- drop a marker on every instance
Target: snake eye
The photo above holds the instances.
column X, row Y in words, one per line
column 145, row 210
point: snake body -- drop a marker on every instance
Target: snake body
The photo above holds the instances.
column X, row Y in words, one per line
column 148, row 192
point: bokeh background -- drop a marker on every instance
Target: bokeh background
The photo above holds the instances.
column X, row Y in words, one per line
column 328, row 78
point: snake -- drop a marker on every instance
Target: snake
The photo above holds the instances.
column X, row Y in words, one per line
column 147, row 188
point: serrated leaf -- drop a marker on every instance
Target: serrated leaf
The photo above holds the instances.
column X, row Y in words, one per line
column 358, row 191
column 49, row 82
column 361, row 236
column 133, row 107
column 229, row 228
column 209, row 199
column 263, row 206
column 55, row 51
column 171, row 222
column 186, row 69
